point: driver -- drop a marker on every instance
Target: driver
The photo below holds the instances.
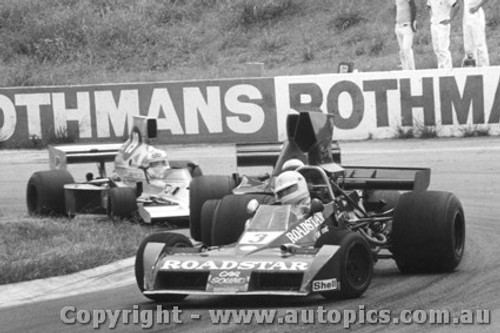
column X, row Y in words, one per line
column 156, row 162
column 291, row 188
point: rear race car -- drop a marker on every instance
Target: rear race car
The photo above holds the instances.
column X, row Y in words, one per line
column 144, row 180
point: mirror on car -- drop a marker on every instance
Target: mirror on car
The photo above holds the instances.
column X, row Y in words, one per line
column 316, row 206
column 252, row 206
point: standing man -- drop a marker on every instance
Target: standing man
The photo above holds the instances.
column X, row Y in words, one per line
column 442, row 13
column 474, row 26
column 406, row 12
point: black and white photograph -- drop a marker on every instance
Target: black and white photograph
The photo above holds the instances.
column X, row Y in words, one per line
column 249, row 165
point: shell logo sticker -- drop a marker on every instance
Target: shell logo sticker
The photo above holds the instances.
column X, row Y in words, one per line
column 325, row 285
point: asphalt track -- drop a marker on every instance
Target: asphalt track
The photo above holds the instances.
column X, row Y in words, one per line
column 467, row 167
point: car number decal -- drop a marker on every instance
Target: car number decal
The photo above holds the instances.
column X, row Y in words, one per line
column 256, row 238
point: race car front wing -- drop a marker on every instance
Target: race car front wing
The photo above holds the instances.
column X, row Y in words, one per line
column 269, row 273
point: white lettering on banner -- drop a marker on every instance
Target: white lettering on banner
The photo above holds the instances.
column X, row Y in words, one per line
column 219, row 110
column 209, row 109
column 81, row 113
column 33, row 102
column 162, row 103
column 8, row 127
column 107, row 111
column 235, row 265
column 253, row 112
column 373, row 104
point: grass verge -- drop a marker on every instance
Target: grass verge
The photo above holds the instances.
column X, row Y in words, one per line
column 38, row 248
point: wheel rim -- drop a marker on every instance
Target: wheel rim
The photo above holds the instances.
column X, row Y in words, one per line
column 357, row 266
column 459, row 234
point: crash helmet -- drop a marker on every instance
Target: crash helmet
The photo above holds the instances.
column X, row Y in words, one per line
column 292, row 164
column 291, row 188
column 156, row 162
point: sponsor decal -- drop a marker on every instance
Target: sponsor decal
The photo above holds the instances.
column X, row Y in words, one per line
column 376, row 103
column 228, row 278
column 325, row 285
column 258, row 238
column 255, row 109
column 212, row 111
column 305, row 228
column 235, row 265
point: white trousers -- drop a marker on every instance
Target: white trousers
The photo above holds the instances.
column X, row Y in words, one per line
column 474, row 26
column 441, row 44
column 404, row 35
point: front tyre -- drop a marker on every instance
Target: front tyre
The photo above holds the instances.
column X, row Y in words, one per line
column 201, row 189
column 149, row 250
column 208, row 212
column 352, row 265
column 231, row 215
column 123, row 202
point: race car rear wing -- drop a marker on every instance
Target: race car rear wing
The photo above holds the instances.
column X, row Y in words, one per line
column 61, row 156
column 385, row 178
column 268, row 153
column 264, row 154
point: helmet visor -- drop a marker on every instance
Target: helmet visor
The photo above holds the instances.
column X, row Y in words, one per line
column 286, row 191
column 157, row 164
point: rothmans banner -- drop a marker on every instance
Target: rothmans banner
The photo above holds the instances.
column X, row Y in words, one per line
column 253, row 110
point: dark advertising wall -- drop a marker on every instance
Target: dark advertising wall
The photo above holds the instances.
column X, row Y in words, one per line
column 222, row 111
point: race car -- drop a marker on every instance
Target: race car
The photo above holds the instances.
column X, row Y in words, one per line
column 144, row 180
column 246, row 242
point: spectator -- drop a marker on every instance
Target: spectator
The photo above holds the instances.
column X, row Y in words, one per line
column 406, row 13
column 442, row 13
column 474, row 26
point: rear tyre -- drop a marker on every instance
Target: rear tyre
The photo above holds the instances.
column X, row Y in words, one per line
column 231, row 215
column 207, row 216
column 353, row 264
column 45, row 192
column 205, row 188
column 123, row 202
column 428, row 232
column 158, row 243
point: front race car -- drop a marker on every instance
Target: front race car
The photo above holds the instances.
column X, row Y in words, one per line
column 281, row 252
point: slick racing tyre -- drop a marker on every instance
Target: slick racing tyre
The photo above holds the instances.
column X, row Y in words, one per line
column 352, row 266
column 428, row 232
column 230, row 217
column 207, row 216
column 45, row 192
column 194, row 169
column 122, row 202
column 205, row 188
column 149, row 250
